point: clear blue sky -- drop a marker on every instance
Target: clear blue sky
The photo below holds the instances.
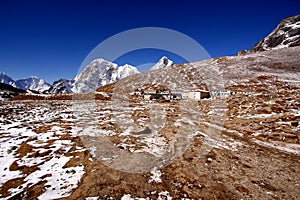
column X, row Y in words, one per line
column 51, row 38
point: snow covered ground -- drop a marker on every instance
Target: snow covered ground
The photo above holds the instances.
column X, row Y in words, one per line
column 35, row 150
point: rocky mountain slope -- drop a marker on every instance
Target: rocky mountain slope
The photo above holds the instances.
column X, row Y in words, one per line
column 100, row 72
column 7, row 91
column 162, row 63
column 61, row 86
column 286, row 34
column 220, row 73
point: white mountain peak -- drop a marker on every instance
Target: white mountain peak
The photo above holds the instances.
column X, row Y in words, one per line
column 162, row 63
column 6, row 79
column 101, row 72
column 32, row 83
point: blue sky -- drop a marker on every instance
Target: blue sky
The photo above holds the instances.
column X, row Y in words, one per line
column 51, row 38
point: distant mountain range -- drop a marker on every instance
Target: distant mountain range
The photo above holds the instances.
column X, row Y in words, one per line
column 98, row 73
column 32, row 83
column 101, row 72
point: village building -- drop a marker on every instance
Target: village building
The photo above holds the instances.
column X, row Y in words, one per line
column 137, row 93
column 220, row 94
column 147, row 96
column 242, row 92
column 193, row 94
column 176, row 94
column 166, row 95
column 150, row 91
column 196, row 94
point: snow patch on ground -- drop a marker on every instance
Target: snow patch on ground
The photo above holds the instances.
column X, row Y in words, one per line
column 155, row 176
column 128, row 197
column 44, row 150
column 164, row 195
column 91, row 198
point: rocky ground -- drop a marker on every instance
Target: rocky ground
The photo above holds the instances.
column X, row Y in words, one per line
column 244, row 147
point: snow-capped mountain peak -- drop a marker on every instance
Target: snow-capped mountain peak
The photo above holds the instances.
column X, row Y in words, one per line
column 286, row 34
column 32, row 83
column 100, row 72
column 162, row 63
column 126, row 70
column 6, row 79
